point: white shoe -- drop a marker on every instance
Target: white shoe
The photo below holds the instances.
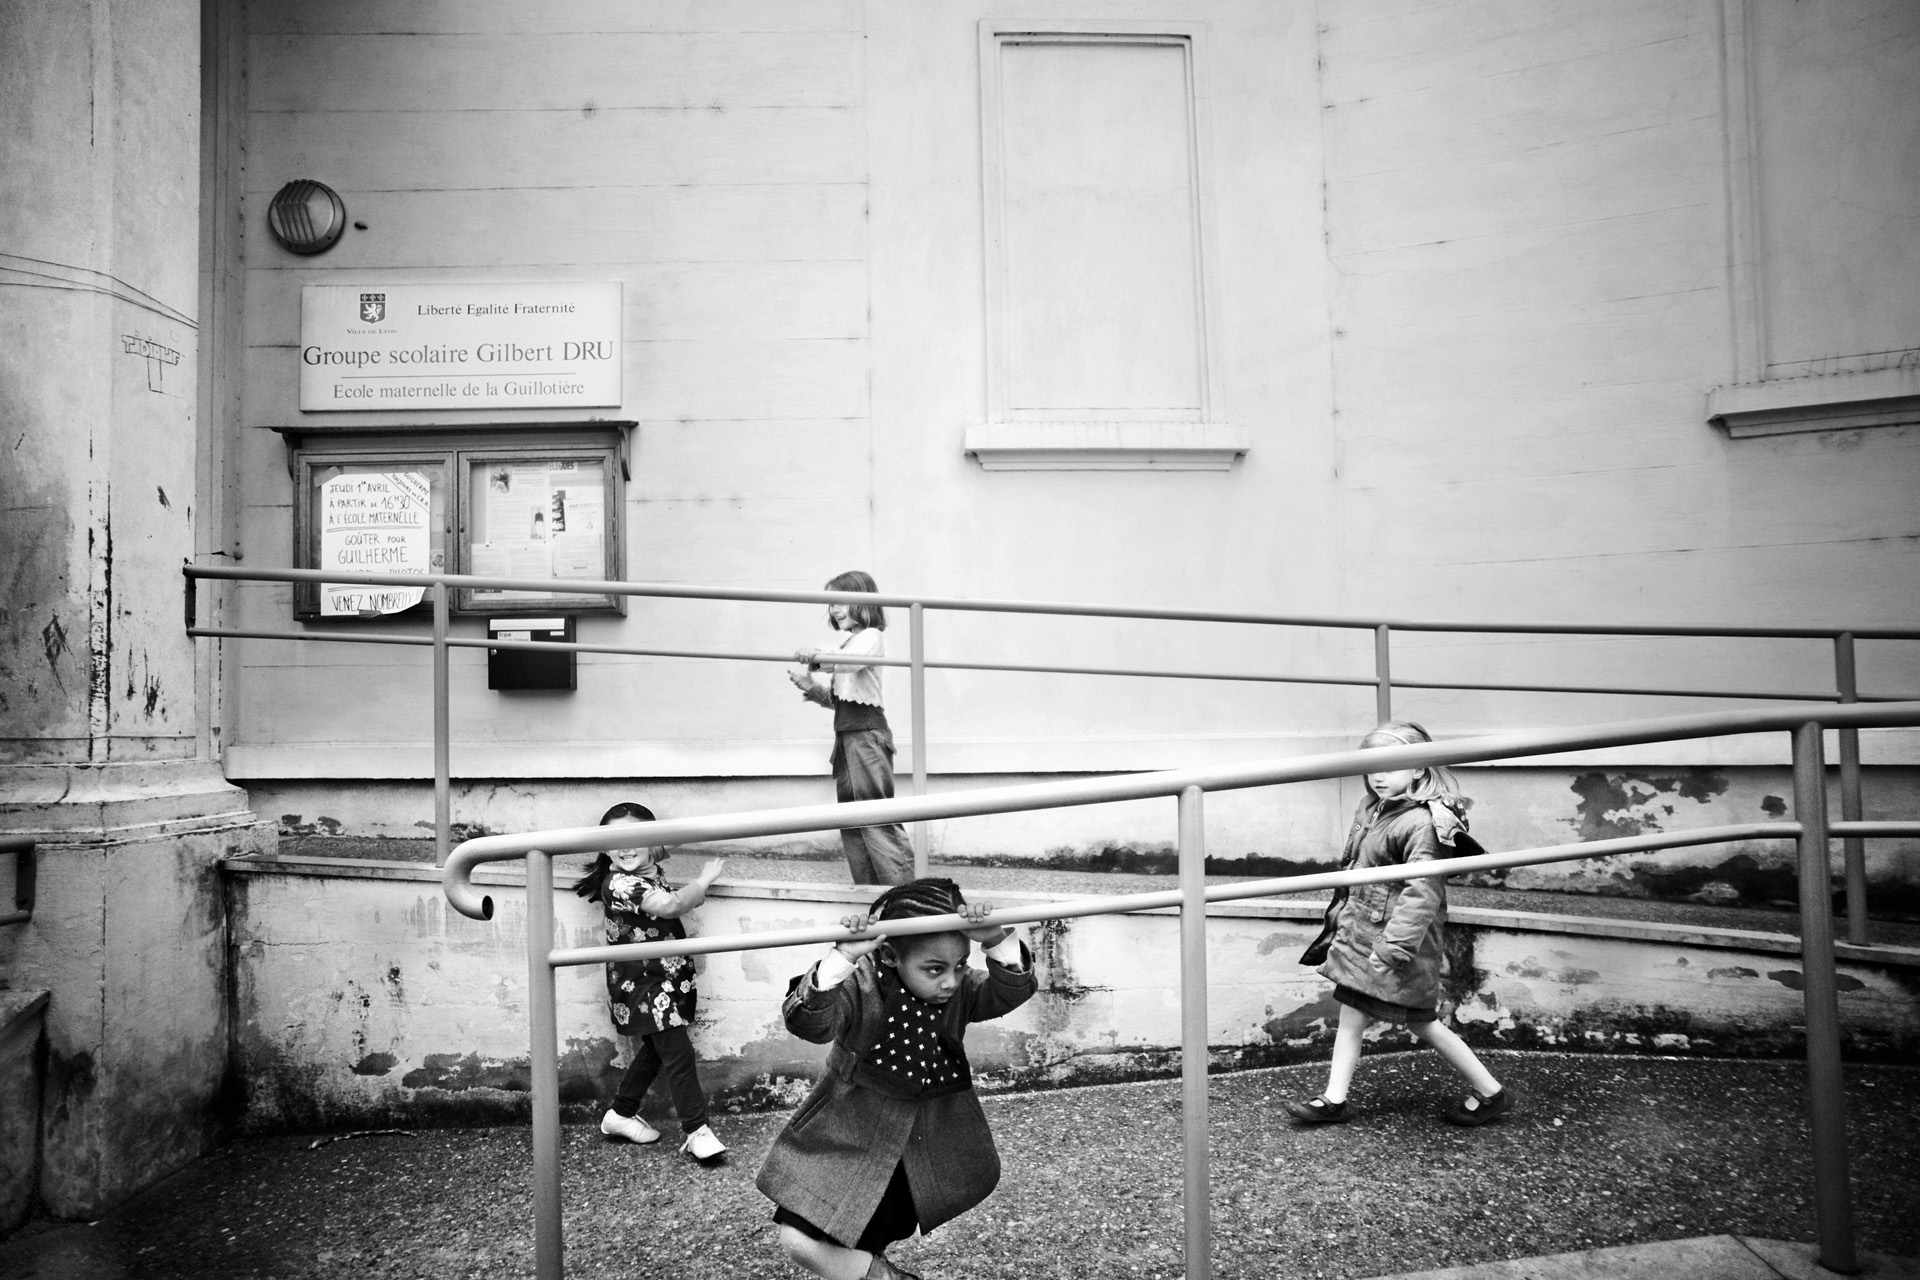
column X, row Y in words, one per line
column 702, row 1144
column 632, row 1128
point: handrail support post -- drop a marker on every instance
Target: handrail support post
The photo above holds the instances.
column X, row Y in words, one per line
column 1382, row 674
column 544, row 1048
column 1193, row 1032
column 1826, row 1097
column 917, row 642
column 442, row 767
column 1854, row 849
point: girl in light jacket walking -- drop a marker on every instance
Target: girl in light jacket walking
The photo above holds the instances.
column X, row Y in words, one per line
column 1388, row 941
column 892, row 1138
column 862, row 740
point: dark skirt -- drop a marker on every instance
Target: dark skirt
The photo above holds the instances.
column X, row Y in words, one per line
column 1381, row 1010
column 893, row 1219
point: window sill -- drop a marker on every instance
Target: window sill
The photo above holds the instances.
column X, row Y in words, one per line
column 1106, row 446
column 1835, row 402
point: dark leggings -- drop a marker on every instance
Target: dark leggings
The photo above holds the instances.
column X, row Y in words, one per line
column 668, row 1052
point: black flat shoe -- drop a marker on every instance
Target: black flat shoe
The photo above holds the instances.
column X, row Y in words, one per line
column 1319, row 1111
column 1480, row 1108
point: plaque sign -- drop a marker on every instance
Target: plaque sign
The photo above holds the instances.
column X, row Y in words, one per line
column 388, row 347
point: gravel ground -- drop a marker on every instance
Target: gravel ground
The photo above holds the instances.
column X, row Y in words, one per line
column 1602, row 1151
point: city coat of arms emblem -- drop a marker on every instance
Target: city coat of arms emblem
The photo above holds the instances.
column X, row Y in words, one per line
column 373, row 308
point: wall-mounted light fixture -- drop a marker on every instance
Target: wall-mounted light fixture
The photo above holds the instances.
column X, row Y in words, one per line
column 306, row 216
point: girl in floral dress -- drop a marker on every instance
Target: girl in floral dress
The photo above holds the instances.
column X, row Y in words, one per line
column 651, row 1000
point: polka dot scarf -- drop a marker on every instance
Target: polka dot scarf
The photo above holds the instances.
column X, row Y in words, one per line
column 910, row 1050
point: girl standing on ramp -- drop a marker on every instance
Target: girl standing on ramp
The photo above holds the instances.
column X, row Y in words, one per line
column 862, row 740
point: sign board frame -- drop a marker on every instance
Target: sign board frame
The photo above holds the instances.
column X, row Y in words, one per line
column 450, row 459
column 434, row 347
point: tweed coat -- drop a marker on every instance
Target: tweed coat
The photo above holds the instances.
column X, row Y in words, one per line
column 1391, row 939
column 832, row 1162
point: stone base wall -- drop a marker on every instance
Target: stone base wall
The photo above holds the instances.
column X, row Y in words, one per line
column 128, row 939
column 1276, row 830
column 361, row 998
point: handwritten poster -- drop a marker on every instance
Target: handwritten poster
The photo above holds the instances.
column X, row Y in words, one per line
column 378, row 522
column 542, row 520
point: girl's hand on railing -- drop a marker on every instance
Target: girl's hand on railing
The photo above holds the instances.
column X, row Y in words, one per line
column 856, row 948
column 808, row 658
column 986, row 935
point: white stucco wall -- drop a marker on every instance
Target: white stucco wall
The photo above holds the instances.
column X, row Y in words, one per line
column 1470, row 289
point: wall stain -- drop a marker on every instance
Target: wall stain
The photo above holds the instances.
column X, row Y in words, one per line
column 1795, row 980
column 291, row 825
column 71, row 1079
column 1736, row 971
column 375, row 1064
column 459, row 1072
column 1157, row 860
column 1774, row 807
column 1303, row 1024
column 1532, row 969
column 163, row 498
column 1614, row 805
column 1739, row 878
column 53, row 639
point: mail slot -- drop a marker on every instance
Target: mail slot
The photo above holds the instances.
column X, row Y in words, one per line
column 530, row 668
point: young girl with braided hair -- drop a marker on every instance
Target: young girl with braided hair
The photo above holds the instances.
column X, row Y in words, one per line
column 892, row 1138
column 1388, row 941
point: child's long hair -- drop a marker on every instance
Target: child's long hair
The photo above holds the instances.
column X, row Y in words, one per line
column 1436, row 781
column 861, row 615
column 593, row 884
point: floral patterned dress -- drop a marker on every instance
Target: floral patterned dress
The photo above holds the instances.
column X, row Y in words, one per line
column 645, row 996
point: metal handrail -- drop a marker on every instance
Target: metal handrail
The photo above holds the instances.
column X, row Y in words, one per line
column 1141, row 786
column 695, row 591
column 1382, row 681
column 24, row 867
column 1159, row 900
column 1809, row 827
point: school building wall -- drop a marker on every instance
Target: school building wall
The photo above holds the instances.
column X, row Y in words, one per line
column 1464, row 282
column 1468, row 283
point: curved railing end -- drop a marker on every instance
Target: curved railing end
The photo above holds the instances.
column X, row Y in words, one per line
column 460, row 890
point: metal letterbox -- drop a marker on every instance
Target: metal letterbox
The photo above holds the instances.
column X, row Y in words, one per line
column 530, row 668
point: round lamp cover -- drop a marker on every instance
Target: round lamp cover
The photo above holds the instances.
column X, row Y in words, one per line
column 306, row 216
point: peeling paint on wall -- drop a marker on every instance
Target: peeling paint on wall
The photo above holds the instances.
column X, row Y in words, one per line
column 1796, row 980
column 1614, row 805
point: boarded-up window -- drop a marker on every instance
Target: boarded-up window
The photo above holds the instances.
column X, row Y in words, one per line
column 1096, row 215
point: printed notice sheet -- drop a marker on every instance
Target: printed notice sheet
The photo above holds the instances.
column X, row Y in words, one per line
column 542, row 520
